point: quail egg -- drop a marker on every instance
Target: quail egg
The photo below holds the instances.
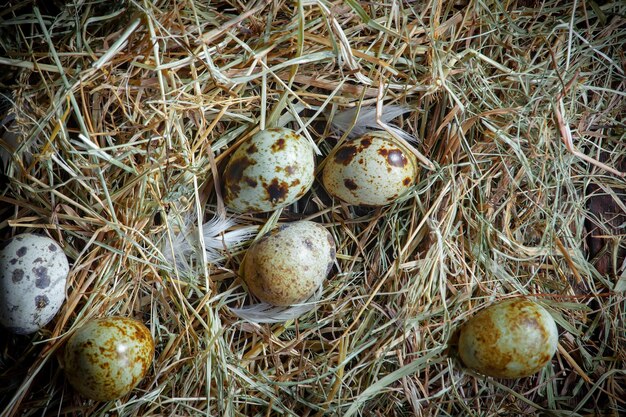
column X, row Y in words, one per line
column 33, row 274
column 290, row 263
column 107, row 357
column 511, row 339
column 270, row 170
column 373, row 170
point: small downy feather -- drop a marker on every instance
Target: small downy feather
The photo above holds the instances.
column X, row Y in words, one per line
column 178, row 248
column 184, row 245
column 217, row 239
column 268, row 313
column 365, row 121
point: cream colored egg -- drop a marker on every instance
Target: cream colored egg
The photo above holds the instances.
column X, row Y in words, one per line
column 106, row 358
column 373, row 170
column 272, row 169
column 289, row 264
column 33, row 274
column 511, row 339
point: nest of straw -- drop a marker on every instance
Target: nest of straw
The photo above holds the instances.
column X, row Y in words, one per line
column 118, row 118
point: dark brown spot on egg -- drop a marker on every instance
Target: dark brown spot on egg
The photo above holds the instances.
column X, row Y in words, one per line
column 18, row 275
column 394, row 157
column 397, row 158
column 294, row 183
column 38, row 260
column 234, row 174
column 345, row 154
column 366, row 142
column 308, row 244
column 276, row 191
column 13, row 261
column 41, row 301
column 406, row 181
column 52, row 247
column 250, row 181
column 252, row 149
column 43, row 280
column 290, row 170
column 22, row 251
column 279, row 145
column 350, row 184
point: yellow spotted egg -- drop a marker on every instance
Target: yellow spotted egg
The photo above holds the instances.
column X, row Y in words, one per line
column 106, row 358
column 510, row 339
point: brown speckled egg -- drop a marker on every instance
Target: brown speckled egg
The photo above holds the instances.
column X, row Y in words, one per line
column 106, row 358
column 510, row 339
column 290, row 263
column 33, row 274
column 272, row 169
column 373, row 170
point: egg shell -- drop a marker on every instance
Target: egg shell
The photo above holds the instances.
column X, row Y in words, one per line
column 511, row 339
column 33, row 275
column 106, row 358
column 373, row 170
column 290, row 263
column 270, row 170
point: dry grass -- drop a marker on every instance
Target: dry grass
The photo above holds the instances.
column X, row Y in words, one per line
column 127, row 113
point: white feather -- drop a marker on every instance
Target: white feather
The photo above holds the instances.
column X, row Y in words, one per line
column 365, row 121
column 217, row 240
column 268, row 313
column 184, row 246
column 179, row 247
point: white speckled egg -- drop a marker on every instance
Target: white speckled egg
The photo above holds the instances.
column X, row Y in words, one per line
column 290, row 263
column 33, row 274
column 373, row 170
column 106, row 358
column 511, row 339
column 272, row 169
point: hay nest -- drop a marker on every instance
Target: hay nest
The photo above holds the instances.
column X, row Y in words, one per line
column 118, row 120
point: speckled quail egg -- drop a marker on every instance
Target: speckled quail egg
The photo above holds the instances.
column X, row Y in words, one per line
column 373, row 170
column 511, row 339
column 272, row 169
column 106, row 358
column 33, row 274
column 290, row 263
